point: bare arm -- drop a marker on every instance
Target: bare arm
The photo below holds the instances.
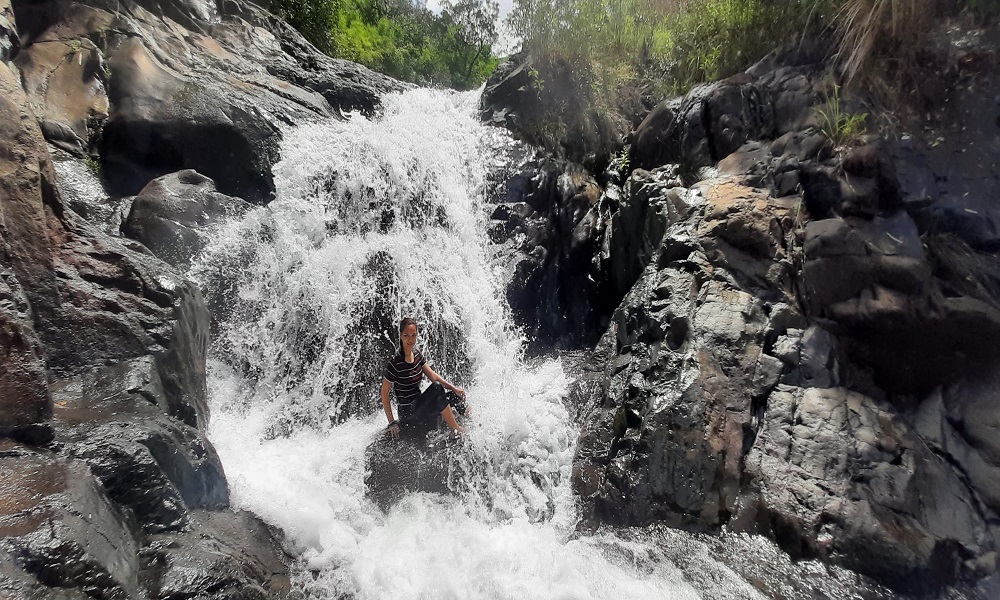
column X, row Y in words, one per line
column 435, row 378
column 386, row 384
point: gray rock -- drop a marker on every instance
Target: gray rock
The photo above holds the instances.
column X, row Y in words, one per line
column 843, row 478
column 186, row 84
column 397, row 467
column 222, row 555
column 58, row 527
column 174, row 214
column 10, row 42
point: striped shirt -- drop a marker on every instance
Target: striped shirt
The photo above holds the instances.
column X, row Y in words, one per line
column 405, row 376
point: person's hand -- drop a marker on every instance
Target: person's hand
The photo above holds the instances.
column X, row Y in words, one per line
column 460, row 392
column 393, row 429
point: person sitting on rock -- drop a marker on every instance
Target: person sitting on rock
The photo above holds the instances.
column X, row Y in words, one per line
column 418, row 411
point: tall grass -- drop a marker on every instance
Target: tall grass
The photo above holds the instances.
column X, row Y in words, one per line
column 872, row 28
column 627, row 52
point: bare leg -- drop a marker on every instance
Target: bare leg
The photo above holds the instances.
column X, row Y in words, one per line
column 449, row 418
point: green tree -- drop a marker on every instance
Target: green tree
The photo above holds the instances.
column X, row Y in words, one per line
column 472, row 28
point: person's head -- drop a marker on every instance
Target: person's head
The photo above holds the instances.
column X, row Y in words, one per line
column 408, row 333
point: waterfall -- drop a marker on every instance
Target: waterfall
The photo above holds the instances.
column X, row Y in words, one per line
column 375, row 220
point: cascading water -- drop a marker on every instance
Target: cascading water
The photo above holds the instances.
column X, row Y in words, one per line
column 374, row 220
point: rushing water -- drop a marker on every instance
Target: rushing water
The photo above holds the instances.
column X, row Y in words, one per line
column 374, row 220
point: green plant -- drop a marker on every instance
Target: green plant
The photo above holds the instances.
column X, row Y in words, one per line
column 93, row 164
column 841, row 127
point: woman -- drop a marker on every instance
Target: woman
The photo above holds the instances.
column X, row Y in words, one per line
column 418, row 412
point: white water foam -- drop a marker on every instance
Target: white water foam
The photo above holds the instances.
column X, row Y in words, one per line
column 292, row 447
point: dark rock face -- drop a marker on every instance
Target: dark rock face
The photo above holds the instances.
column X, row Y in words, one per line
column 552, row 223
column 525, row 95
column 805, row 350
column 705, row 126
column 62, row 528
column 161, row 87
column 396, row 467
column 102, row 375
column 170, row 214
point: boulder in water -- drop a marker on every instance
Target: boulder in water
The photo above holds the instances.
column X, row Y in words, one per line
column 396, row 467
column 171, row 213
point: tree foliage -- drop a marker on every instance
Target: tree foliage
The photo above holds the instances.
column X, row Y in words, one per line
column 401, row 38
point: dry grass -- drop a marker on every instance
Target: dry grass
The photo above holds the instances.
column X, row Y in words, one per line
column 873, row 28
column 963, row 269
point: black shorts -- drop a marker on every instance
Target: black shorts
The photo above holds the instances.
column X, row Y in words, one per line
column 421, row 415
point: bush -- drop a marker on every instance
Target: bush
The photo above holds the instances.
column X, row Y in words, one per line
column 841, row 127
column 316, row 20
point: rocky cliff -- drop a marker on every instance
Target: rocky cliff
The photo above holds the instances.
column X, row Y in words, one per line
column 111, row 489
column 789, row 337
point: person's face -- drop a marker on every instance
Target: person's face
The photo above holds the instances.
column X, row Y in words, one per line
column 409, row 337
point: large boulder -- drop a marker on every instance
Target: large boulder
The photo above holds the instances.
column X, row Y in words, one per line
column 397, row 467
column 174, row 214
column 116, row 420
column 705, row 126
column 552, row 223
column 161, row 87
column 59, row 529
column 551, row 103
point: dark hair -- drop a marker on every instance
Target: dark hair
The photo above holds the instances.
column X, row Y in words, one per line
column 406, row 322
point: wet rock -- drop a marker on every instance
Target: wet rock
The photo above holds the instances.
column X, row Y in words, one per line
column 552, row 224
column 58, row 528
column 173, row 215
column 10, row 42
column 678, row 459
column 24, row 394
column 115, row 419
column 843, row 477
column 396, row 467
column 222, row 555
column 121, row 340
column 650, row 202
column 161, row 88
column 94, row 299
